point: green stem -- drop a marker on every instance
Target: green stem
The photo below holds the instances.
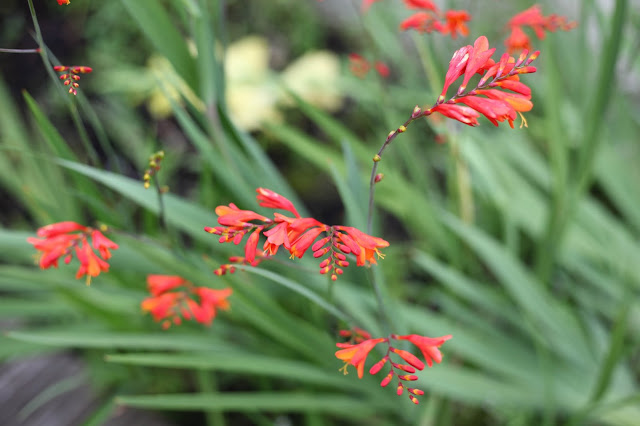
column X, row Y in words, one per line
column 162, row 215
column 84, row 137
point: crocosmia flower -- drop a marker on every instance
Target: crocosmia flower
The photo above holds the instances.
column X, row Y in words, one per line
column 61, row 2
column 533, row 18
column 63, row 239
column 355, row 352
column 295, row 234
column 486, row 98
column 173, row 299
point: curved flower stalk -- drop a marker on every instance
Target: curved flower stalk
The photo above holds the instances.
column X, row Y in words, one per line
column 534, row 19
column 296, row 234
column 62, row 239
column 356, row 351
column 173, row 299
column 70, row 74
column 499, row 95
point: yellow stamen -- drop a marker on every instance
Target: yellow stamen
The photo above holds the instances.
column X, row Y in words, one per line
column 344, row 368
column 524, row 121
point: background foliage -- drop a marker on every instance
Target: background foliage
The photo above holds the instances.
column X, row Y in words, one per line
column 522, row 244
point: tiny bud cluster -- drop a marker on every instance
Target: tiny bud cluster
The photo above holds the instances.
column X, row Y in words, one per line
column 69, row 74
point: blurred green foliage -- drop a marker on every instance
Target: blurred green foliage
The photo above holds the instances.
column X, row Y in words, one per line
column 521, row 243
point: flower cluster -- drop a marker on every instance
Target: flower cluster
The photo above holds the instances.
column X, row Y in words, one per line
column 360, row 67
column 174, row 298
column 153, row 167
column 497, row 105
column 296, row 234
column 62, row 239
column 70, row 74
column 428, row 19
column 534, row 19
column 355, row 352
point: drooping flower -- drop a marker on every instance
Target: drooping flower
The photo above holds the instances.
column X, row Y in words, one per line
column 63, row 239
column 173, row 298
column 423, row 22
column 539, row 23
column 71, row 77
column 296, row 234
column 421, row 4
column 456, row 23
column 356, row 355
column 496, row 105
column 360, row 344
column 429, row 19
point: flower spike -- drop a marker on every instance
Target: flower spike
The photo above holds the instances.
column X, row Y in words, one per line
column 355, row 353
column 63, row 239
column 296, row 234
column 173, row 298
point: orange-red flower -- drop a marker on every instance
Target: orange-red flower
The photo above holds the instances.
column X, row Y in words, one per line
column 174, row 298
column 71, row 77
column 456, row 22
column 62, row 239
column 61, row 2
column 494, row 104
column 539, row 23
column 355, row 352
column 296, row 234
column 428, row 19
column 423, row 22
column 421, row 4
column 356, row 355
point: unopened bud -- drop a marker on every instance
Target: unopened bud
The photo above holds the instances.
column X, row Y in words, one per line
column 402, row 129
column 376, row 158
column 416, row 112
column 147, row 185
column 378, row 177
column 532, row 58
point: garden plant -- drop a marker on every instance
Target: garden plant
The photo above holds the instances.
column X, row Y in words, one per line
column 326, row 212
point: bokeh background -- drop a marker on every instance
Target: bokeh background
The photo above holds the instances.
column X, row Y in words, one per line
column 521, row 243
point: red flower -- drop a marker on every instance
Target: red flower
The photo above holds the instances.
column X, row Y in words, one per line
column 61, row 2
column 62, row 239
column 356, row 355
column 533, row 18
column 421, row 4
column 174, row 298
column 463, row 114
column 423, row 22
column 456, row 23
column 427, row 345
column 270, row 199
column 296, row 234
column 497, row 105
